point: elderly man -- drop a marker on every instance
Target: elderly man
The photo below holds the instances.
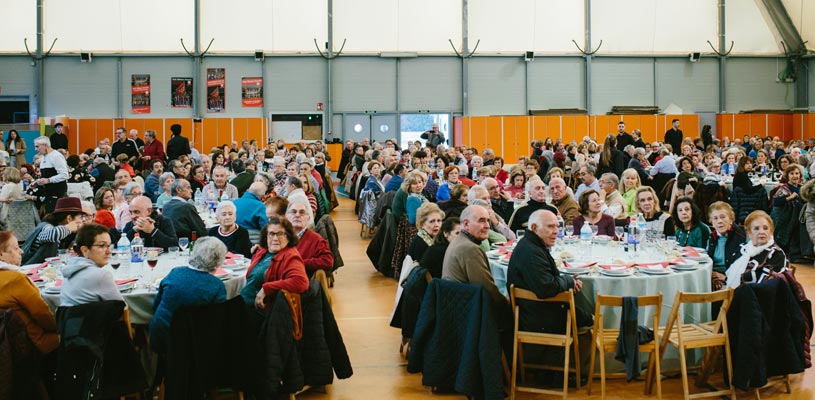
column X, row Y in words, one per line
column 134, row 136
column 312, row 247
column 497, row 223
column 154, row 229
column 153, row 149
column 614, row 203
column 122, row 213
column 183, row 214
column 219, row 185
column 537, row 201
column 565, row 203
column 53, row 181
column 279, row 174
column 489, row 156
column 433, row 136
column 501, row 200
column 464, row 260
column 586, row 174
column 251, row 212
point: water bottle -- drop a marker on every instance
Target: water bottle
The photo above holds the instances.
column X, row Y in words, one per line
column 560, row 226
column 633, row 234
column 136, row 250
column 585, row 232
column 199, row 198
column 641, row 223
column 123, row 245
column 224, row 196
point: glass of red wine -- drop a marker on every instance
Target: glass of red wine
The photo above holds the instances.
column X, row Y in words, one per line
column 152, row 261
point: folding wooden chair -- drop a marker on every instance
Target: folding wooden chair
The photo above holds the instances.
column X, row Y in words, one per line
column 693, row 336
column 566, row 340
column 606, row 341
column 323, row 279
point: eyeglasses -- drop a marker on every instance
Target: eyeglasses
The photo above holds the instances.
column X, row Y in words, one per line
column 279, row 235
column 101, row 245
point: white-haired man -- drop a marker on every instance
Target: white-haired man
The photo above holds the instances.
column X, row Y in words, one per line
column 53, row 181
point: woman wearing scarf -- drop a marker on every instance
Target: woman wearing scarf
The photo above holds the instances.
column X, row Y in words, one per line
column 428, row 222
column 725, row 242
column 760, row 258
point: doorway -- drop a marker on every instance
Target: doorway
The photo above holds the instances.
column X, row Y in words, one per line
column 376, row 127
column 413, row 125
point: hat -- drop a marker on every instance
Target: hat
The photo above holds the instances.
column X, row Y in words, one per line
column 68, row 205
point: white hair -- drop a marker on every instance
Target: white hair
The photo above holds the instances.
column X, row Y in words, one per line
column 225, row 204
column 43, row 140
column 208, row 254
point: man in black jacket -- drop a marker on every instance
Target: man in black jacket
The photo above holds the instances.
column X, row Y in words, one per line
column 178, row 145
column 58, row 138
column 674, row 137
column 124, row 145
column 155, row 230
column 537, row 201
column 623, row 137
column 183, row 214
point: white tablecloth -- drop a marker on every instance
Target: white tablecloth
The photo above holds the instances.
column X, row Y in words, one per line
column 140, row 300
column 768, row 185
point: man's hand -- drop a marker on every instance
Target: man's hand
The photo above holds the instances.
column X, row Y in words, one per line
column 74, row 225
column 43, row 181
column 146, row 225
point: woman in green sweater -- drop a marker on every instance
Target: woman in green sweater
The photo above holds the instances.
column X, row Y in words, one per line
column 690, row 230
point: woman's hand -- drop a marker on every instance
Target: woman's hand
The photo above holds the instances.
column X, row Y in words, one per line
column 718, row 280
column 259, row 299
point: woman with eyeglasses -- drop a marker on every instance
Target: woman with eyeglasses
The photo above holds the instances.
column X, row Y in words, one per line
column 84, row 281
column 276, row 265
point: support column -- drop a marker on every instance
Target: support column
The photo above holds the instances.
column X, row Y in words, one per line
column 588, row 57
column 329, row 102
column 465, row 68
column 201, row 96
column 722, row 50
column 39, row 68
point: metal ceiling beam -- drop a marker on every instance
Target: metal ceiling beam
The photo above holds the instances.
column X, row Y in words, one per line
column 794, row 46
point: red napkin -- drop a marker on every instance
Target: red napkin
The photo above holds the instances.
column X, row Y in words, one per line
column 58, row 283
column 35, row 272
column 567, row 265
column 503, row 251
column 230, row 254
column 126, row 281
column 690, row 252
column 651, row 266
column 229, row 261
column 507, row 256
column 220, row 271
column 616, row 266
column 508, row 243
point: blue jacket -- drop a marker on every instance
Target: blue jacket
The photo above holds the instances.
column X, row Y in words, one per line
column 443, row 193
column 394, row 183
column 183, row 287
column 151, row 187
column 251, row 212
column 456, row 341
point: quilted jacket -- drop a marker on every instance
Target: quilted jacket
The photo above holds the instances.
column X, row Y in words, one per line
column 744, row 203
column 456, row 342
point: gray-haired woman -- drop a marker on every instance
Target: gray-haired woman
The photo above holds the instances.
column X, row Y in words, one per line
column 188, row 286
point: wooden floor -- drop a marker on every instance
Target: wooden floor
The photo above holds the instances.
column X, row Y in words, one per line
column 363, row 300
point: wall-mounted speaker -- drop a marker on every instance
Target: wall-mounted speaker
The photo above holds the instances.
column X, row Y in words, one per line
column 529, row 56
column 259, row 56
column 85, row 57
column 694, row 57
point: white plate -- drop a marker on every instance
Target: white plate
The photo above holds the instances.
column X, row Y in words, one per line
column 126, row 286
column 493, row 254
column 698, row 259
column 581, row 271
column 617, row 272
column 700, row 250
column 655, row 271
column 52, row 290
column 685, row 267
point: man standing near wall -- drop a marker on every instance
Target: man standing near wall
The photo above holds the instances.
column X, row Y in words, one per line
column 623, row 137
column 177, row 145
column 674, row 136
column 54, row 174
column 433, row 136
column 134, row 136
column 125, row 145
column 58, row 139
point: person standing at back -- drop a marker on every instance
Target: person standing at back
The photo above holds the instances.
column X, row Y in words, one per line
column 177, row 145
column 54, row 175
column 623, row 138
column 58, row 138
column 674, row 136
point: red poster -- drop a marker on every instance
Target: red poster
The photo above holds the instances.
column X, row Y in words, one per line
column 140, row 94
column 181, row 92
column 216, row 90
column 252, row 92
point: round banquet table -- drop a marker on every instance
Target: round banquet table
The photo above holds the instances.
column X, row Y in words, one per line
column 140, row 299
column 768, row 184
column 638, row 284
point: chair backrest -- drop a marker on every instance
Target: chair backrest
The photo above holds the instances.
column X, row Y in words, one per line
column 567, row 297
column 617, row 301
column 22, row 218
column 725, row 296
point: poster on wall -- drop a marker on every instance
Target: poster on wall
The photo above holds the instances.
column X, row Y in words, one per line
column 216, row 90
column 140, row 94
column 181, row 92
column 252, row 92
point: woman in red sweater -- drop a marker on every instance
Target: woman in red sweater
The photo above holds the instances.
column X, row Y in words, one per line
column 104, row 200
column 276, row 265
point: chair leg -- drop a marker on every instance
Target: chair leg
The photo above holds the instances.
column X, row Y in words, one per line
column 591, row 363
column 787, row 383
column 683, row 366
column 514, row 375
column 658, row 371
column 602, row 371
column 756, row 394
column 729, row 360
column 649, row 373
column 520, row 360
column 566, row 373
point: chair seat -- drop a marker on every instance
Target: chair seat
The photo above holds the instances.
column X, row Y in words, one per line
column 695, row 336
column 546, row 339
column 609, row 341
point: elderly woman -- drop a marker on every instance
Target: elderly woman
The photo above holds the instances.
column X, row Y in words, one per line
column 687, row 173
column 501, row 175
column 450, row 180
column 725, row 242
column 591, row 206
column 516, row 186
column 760, row 258
column 457, row 202
column 104, row 201
column 687, row 223
column 19, row 293
column 628, row 187
column 374, row 183
column 786, row 204
column 276, row 265
column 186, row 287
column 428, row 222
column 406, row 202
column 647, row 203
column 84, row 281
column 166, row 181
column 233, row 236
column 313, row 249
column 122, row 212
column 433, row 257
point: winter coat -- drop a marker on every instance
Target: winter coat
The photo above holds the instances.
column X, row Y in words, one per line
column 744, row 202
column 808, row 195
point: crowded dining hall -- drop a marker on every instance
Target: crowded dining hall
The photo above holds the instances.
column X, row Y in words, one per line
column 411, row 200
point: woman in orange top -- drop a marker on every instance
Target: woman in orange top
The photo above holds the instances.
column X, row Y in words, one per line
column 18, row 292
column 104, row 200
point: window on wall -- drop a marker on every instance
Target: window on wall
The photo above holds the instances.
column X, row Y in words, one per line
column 413, row 125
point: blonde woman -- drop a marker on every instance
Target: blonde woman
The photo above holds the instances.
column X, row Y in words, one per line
column 629, row 184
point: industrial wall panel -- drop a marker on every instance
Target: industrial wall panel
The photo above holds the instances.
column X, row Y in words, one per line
column 80, row 90
column 621, row 81
column 557, row 83
column 751, row 84
column 432, row 83
column 236, row 68
column 496, row 86
column 161, row 70
column 17, row 78
column 364, row 84
column 295, row 84
column 692, row 86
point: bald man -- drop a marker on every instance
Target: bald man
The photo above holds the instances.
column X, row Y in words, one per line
column 155, row 230
column 565, row 203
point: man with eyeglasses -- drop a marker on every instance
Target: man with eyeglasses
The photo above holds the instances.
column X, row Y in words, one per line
column 153, row 149
column 183, row 214
column 586, row 175
column 312, row 247
column 500, row 199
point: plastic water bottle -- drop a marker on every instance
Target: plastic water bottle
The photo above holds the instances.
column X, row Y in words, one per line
column 560, row 226
column 585, row 232
column 641, row 223
column 224, row 196
column 123, row 245
column 633, row 234
column 199, row 199
column 136, row 250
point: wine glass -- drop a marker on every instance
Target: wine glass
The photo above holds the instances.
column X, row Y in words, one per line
column 569, row 230
column 619, row 231
column 183, row 243
column 520, row 233
column 152, row 261
column 594, row 229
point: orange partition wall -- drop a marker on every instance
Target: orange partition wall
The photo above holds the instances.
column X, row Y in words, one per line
column 335, row 152
column 495, row 135
column 785, row 126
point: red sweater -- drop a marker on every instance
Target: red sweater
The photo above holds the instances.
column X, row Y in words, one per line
column 286, row 271
column 315, row 251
